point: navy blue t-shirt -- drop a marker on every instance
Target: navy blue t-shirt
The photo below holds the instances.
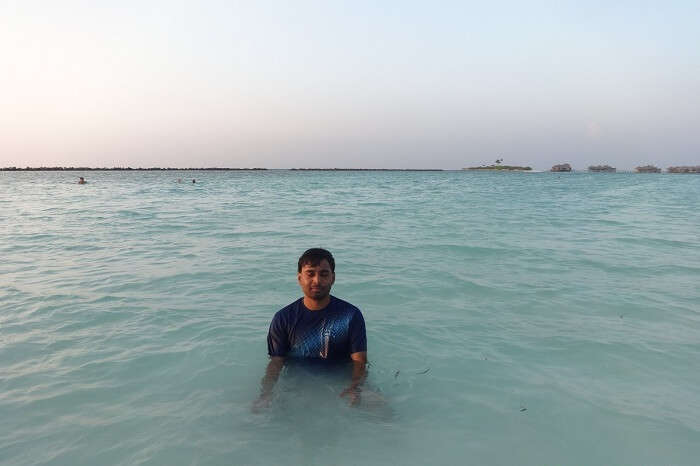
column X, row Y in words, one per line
column 333, row 332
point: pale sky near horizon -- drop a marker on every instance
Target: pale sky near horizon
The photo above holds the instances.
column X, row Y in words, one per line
column 393, row 84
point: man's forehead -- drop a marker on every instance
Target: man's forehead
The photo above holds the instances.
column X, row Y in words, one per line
column 323, row 265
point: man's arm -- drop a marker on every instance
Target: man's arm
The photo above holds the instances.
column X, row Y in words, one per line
column 359, row 374
column 272, row 373
column 277, row 347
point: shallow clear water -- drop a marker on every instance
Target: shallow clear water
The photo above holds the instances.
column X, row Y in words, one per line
column 513, row 318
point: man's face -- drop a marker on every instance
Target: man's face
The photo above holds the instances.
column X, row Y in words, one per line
column 316, row 280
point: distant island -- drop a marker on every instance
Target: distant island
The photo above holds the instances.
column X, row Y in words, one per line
column 602, row 168
column 564, row 167
column 685, row 169
column 648, row 169
column 499, row 167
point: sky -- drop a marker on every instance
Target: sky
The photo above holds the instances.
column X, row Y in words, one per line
column 349, row 84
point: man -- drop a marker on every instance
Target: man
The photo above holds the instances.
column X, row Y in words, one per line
column 317, row 326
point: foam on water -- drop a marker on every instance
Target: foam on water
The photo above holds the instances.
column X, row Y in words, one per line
column 512, row 318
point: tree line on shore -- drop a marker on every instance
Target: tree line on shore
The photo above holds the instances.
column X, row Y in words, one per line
column 38, row 169
column 49, row 169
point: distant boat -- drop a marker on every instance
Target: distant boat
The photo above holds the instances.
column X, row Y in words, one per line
column 602, row 168
column 648, row 169
column 564, row 167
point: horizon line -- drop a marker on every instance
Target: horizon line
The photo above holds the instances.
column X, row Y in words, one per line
column 670, row 169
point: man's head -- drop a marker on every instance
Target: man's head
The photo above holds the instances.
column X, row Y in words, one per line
column 314, row 256
column 316, row 273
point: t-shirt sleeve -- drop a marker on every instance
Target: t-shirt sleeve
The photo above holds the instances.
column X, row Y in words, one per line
column 277, row 337
column 358, row 335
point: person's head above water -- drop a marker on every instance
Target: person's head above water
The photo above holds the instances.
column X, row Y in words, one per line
column 81, row 180
column 314, row 256
column 316, row 275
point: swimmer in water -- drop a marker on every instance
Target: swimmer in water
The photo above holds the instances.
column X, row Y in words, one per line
column 192, row 180
column 82, row 180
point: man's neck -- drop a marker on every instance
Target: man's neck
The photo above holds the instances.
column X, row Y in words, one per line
column 316, row 304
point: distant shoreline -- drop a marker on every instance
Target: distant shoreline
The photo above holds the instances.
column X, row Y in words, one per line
column 507, row 168
column 104, row 169
column 368, row 169
column 60, row 169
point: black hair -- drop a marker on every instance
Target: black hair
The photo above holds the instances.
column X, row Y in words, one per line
column 314, row 256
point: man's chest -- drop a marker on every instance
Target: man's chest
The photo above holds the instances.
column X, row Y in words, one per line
column 324, row 336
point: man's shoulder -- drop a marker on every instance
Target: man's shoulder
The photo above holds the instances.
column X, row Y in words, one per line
column 289, row 309
column 346, row 306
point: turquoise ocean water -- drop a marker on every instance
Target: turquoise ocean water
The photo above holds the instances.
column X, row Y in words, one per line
column 513, row 318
